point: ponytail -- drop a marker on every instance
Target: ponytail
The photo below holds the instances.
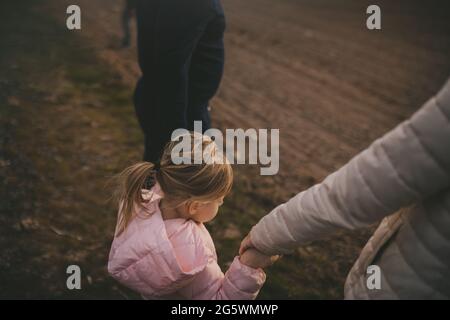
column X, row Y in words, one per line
column 130, row 183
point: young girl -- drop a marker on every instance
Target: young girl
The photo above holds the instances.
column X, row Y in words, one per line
column 162, row 249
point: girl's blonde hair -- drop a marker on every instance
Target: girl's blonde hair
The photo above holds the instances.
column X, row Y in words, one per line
column 180, row 183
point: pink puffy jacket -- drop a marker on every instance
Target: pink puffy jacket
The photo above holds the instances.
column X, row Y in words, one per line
column 176, row 259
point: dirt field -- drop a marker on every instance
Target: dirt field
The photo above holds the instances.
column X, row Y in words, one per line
column 307, row 67
column 312, row 69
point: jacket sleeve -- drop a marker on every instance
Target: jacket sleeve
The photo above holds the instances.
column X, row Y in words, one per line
column 240, row 282
column 202, row 277
column 409, row 163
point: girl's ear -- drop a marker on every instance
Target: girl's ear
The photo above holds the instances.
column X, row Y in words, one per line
column 193, row 207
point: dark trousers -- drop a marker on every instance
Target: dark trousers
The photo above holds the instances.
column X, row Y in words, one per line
column 181, row 55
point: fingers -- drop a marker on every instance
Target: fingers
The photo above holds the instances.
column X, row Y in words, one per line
column 256, row 259
column 245, row 244
column 275, row 258
column 270, row 260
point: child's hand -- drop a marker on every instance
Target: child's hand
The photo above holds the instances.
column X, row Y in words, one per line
column 255, row 259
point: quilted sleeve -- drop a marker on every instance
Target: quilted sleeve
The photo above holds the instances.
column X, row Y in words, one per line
column 409, row 163
column 240, row 282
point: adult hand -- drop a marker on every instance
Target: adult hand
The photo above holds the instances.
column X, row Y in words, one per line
column 255, row 259
column 246, row 244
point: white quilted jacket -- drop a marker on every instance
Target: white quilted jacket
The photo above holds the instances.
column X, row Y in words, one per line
column 407, row 168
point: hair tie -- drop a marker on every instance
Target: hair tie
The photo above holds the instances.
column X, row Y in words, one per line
column 150, row 181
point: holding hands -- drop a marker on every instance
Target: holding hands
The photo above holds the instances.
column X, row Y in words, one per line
column 253, row 258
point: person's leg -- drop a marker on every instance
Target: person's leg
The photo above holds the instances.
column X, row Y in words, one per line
column 168, row 33
column 205, row 74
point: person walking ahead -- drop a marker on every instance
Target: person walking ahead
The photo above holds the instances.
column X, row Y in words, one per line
column 181, row 56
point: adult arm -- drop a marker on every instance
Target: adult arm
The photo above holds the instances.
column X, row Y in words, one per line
column 409, row 163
